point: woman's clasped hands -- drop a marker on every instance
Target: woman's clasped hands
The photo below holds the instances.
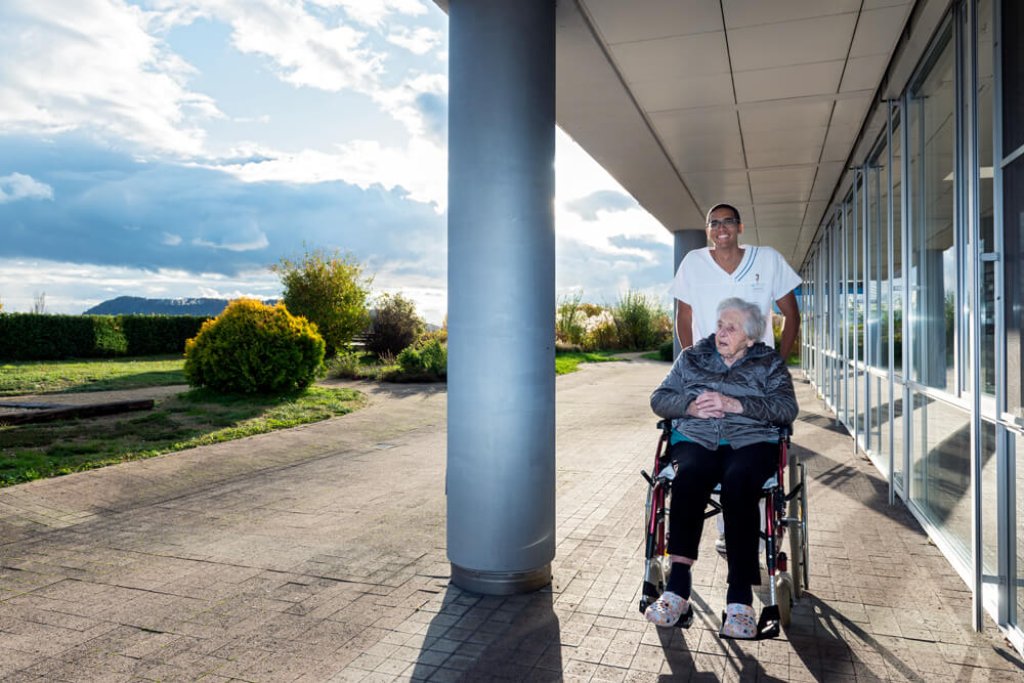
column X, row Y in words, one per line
column 712, row 404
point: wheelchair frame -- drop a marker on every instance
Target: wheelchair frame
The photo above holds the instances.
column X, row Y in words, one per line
column 788, row 513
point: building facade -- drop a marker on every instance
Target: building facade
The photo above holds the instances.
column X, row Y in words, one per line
column 912, row 294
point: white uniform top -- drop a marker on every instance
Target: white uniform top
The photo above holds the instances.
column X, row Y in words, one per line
column 762, row 277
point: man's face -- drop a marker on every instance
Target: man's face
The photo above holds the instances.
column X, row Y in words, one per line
column 724, row 228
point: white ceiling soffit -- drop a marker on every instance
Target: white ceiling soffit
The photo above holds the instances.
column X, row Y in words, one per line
column 752, row 102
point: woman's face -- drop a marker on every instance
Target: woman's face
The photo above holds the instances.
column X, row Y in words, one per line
column 731, row 339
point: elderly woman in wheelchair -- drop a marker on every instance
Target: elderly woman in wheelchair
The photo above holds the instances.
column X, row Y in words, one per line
column 727, row 396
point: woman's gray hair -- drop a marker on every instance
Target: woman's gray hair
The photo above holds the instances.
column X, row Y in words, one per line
column 753, row 323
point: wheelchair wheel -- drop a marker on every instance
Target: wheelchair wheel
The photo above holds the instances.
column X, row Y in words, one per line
column 784, row 597
column 798, row 555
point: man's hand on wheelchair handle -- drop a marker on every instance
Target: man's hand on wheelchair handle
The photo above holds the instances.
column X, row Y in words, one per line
column 712, row 404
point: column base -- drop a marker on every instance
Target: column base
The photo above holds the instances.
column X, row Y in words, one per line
column 501, row 583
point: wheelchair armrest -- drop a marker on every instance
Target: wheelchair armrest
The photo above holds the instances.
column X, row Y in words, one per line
column 785, row 432
column 665, row 425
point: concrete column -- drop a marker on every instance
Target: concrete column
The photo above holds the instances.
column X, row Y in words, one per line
column 685, row 242
column 501, row 294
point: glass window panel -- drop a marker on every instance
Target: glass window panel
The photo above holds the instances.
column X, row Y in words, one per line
column 986, row 106
column 1018, row 511
column 880, row 428
column 877, row 283
column 933, row 253
column 941, row 468
column 896, row 171
column 1013, row 203
column 854, row 289
column 1012, row 27
column 989, row 505
column 897, row 437
column 856, row 376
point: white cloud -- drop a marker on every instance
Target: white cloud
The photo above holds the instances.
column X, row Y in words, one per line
column 373, row 13
column 631, row 224
column 306, row 51
column 92, row 64
column 309, row 53
column 420, row 168
column 20, row 186
column 402, row 102
column 577, row 175
column 418, row 41
column 170, row 239
column 74, row 287
column 252, row 242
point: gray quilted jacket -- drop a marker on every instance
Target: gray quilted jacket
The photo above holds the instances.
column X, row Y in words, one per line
column 759, row 380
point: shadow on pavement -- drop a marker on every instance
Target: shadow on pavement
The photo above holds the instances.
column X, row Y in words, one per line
column 717, row 658
column 823, row 645
column 488, row 638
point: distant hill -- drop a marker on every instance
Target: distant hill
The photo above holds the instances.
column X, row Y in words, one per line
column 127, row 305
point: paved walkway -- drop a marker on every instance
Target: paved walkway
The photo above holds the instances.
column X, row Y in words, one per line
column 317, row 554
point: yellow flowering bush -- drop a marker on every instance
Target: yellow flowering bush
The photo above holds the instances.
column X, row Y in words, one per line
column 254, row 348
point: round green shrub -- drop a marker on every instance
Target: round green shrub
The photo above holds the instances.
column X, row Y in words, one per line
column 427, row 359
column 254, row 348
column 396, row 325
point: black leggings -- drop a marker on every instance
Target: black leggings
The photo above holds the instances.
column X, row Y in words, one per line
column 742, row 473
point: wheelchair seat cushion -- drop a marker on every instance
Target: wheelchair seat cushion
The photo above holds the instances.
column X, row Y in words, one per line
column 770, row 483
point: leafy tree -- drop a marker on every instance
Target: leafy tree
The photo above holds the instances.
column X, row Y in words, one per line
column 330, row 290
column 395, row 326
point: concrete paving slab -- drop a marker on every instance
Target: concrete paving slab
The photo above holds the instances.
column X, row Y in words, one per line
column 317, row 554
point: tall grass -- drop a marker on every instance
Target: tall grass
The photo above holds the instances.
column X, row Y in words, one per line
column 569, row 320
column 640, row 321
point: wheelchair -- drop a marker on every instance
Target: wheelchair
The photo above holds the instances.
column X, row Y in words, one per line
column 785, row 514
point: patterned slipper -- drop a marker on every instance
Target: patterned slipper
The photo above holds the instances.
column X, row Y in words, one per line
column 738, row 622
column 667, row 610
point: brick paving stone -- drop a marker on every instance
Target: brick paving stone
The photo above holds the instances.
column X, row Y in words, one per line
column 264, row 560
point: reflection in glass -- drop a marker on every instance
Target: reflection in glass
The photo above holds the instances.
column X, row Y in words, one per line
column 940, row 463
column 1013, row 216
column 880, row 422
column 877, row 284
column 989, row 506
column 1018, row 444
column 897, row 245
column 933, row 253
column 986, row 103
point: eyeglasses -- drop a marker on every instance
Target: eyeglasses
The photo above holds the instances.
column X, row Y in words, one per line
column 714, row 223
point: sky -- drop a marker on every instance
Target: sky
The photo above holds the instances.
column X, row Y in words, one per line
column 179, row 148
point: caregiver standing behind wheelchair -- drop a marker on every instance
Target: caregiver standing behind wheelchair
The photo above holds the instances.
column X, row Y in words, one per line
column 726, row 396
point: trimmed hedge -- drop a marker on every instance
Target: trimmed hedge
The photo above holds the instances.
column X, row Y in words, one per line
column 35, row 336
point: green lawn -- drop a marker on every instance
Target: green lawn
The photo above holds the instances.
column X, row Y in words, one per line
column 192, row 418
column 569, row 361
column 42, row 377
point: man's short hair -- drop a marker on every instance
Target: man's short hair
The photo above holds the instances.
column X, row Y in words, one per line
column 716, row 207
column 753, row 323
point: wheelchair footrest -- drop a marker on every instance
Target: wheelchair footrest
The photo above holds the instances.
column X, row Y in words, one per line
column 768, row 625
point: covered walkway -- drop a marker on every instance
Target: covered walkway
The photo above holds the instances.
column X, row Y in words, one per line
column 317, row 554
